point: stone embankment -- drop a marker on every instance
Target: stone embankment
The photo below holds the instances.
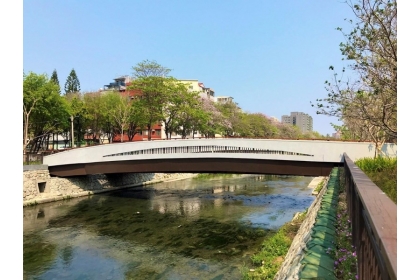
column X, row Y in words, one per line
column 40, row 187
column 308, row 257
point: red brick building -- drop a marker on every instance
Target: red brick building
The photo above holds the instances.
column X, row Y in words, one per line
column 121, row 84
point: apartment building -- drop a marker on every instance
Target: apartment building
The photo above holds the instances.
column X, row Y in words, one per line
column 299, row 119
column 224, row 99
column 204, row 92
column 121, row 83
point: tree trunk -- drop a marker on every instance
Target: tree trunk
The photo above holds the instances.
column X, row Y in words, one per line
column 149, row 132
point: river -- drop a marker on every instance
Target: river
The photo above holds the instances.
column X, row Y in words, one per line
column 198, row 228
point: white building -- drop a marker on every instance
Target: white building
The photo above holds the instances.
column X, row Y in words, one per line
column 195, row 85
column 223, row 99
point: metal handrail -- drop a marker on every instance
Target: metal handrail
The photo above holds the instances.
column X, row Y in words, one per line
column 373, row 218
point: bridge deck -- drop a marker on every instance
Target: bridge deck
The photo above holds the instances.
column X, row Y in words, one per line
column 263, row 156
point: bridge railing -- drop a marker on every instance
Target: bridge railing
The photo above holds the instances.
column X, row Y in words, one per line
column 374, row 225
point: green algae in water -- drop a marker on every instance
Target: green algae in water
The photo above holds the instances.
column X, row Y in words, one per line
column 191, row 233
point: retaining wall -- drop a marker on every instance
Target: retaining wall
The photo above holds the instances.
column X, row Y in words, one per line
column 40, row 187
column 308, row 256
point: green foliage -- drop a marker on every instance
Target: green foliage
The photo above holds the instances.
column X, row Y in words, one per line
column 44, row 110
column 152, row 99
column 32, row 162
column 54, row 78
column 378, row 164
column 72, row 83
column 182, row 111
column 120, row 111
column 273, row 251
column 95, row 114
column 205, row 176
column 383, row 172
column 320, row 185
column 155, row 90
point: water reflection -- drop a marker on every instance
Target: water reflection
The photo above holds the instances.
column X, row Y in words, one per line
column 190, row 229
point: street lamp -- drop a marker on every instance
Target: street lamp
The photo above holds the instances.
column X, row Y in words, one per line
column 72, row 132
column 72, row 118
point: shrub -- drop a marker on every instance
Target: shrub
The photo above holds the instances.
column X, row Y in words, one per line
column 383, row 172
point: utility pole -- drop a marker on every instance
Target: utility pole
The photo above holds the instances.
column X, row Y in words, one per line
column 72, row 132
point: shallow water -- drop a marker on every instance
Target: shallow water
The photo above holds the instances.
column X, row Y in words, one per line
column 189, row 229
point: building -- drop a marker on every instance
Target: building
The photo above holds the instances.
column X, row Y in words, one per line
column 337, row 135
column 299, row 119
column 204, row 92
column 121, row 83
column 224, row 99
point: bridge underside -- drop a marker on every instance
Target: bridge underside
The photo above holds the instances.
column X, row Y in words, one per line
column 208, row 165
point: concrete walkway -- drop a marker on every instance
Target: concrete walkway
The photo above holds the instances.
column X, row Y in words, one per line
column 314, row 183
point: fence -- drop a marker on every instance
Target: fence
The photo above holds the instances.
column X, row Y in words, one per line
column 374, row 225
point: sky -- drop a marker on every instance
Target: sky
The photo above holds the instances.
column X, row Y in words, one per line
column 272, row 57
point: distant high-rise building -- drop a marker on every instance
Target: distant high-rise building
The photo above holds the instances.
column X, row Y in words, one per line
column 300, row 119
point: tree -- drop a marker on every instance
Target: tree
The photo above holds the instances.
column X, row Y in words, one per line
column 44, row 110
column 72, row 83
column 190, row 116
column 79, row 112
column 152, row 83
column 148, row 68
column 180, row 108
column 119, row 109
column 231, row 112
column 95, row 114
column 211, row 121
column 152, row 100
column 137, row 120
column 54, row 78
column 261, row 126
column 370, row 102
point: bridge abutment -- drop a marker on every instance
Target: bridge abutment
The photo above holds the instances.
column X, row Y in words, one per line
column 40, row 187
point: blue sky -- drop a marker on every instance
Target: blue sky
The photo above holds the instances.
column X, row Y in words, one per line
column 270, row 56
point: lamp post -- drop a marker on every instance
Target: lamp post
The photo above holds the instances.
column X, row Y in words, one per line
column 72, row 132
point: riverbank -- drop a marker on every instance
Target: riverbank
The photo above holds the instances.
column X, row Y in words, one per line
column 40, row 187
column 282, row 249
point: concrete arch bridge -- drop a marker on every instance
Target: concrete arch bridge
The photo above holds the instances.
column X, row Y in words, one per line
column 220, row 155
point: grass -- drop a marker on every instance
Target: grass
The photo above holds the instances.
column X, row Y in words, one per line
column 32, row 163
column 273, row 251
column 213, row 175
column 320, row 185
column 383, row 172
